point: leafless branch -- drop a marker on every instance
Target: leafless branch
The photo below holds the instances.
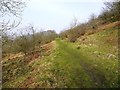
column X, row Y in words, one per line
column 14, row 7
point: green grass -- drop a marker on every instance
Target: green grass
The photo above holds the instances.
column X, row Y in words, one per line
column 103, row 54
column 67, row 66
column 99, row 72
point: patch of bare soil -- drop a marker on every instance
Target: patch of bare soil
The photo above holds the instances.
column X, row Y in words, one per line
column 48, row 46
column 103, row 27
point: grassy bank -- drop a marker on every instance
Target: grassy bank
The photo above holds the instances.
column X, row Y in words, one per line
column 89, row 63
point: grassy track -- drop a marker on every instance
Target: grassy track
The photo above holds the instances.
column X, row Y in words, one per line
column 66, row 66
column 81, row 69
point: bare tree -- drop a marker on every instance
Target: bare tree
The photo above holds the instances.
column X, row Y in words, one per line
column 10, row 7
column 93, row 21
column 14, row 7
column 74, row 23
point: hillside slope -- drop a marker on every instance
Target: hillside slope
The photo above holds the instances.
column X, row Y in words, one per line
column 92, row 61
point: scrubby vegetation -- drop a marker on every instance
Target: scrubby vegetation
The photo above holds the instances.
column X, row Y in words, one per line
column 84, row 56
column 110, row 14
column 28, row 42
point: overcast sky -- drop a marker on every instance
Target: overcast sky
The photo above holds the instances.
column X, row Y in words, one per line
column 58, row 14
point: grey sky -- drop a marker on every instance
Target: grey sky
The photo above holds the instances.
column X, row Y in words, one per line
column 58, row 14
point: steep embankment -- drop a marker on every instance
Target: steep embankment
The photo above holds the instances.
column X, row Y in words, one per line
column 90, row 62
